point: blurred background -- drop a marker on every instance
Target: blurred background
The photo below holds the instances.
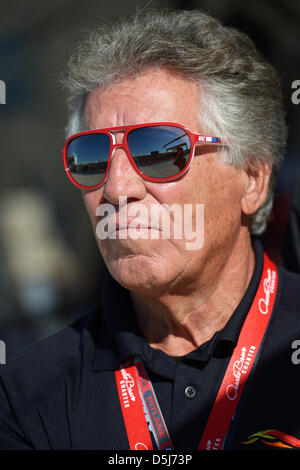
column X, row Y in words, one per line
column 50, row 267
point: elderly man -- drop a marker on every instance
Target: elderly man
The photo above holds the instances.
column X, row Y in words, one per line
column 191, row 345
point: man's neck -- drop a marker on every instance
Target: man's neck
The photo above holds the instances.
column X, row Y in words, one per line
column 179, row 323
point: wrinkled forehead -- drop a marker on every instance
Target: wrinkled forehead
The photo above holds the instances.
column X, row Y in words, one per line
column 154, row 96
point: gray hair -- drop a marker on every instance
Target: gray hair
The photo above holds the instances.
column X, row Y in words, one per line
column 240, row 91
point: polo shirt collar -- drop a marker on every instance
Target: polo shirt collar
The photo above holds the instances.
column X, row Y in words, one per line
column 119, row 335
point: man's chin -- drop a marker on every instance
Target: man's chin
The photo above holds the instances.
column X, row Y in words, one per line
column 139, row 273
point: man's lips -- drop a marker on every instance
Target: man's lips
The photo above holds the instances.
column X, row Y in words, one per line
column 130, row 228
column 132, row 223
column 136, row 228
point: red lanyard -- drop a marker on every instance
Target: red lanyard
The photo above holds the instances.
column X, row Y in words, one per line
column 140, row 408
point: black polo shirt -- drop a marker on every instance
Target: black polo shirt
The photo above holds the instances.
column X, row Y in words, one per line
column 60, row 392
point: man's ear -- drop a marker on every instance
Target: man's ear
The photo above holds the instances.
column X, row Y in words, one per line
column 256, row 188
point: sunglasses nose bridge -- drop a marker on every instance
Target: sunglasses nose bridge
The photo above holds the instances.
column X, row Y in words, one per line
column 117, row 136
column 117, row 142
column 119, row 145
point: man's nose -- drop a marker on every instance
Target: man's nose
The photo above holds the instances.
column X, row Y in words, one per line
column 122, row 179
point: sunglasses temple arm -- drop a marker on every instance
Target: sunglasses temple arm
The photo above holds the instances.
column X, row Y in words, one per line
column 215, row 144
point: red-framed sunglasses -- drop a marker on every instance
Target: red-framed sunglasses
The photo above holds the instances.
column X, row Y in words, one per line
column 158, row 152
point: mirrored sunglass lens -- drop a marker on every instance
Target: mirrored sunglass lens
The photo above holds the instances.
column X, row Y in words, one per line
column 87, row 157
column 159, row 151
